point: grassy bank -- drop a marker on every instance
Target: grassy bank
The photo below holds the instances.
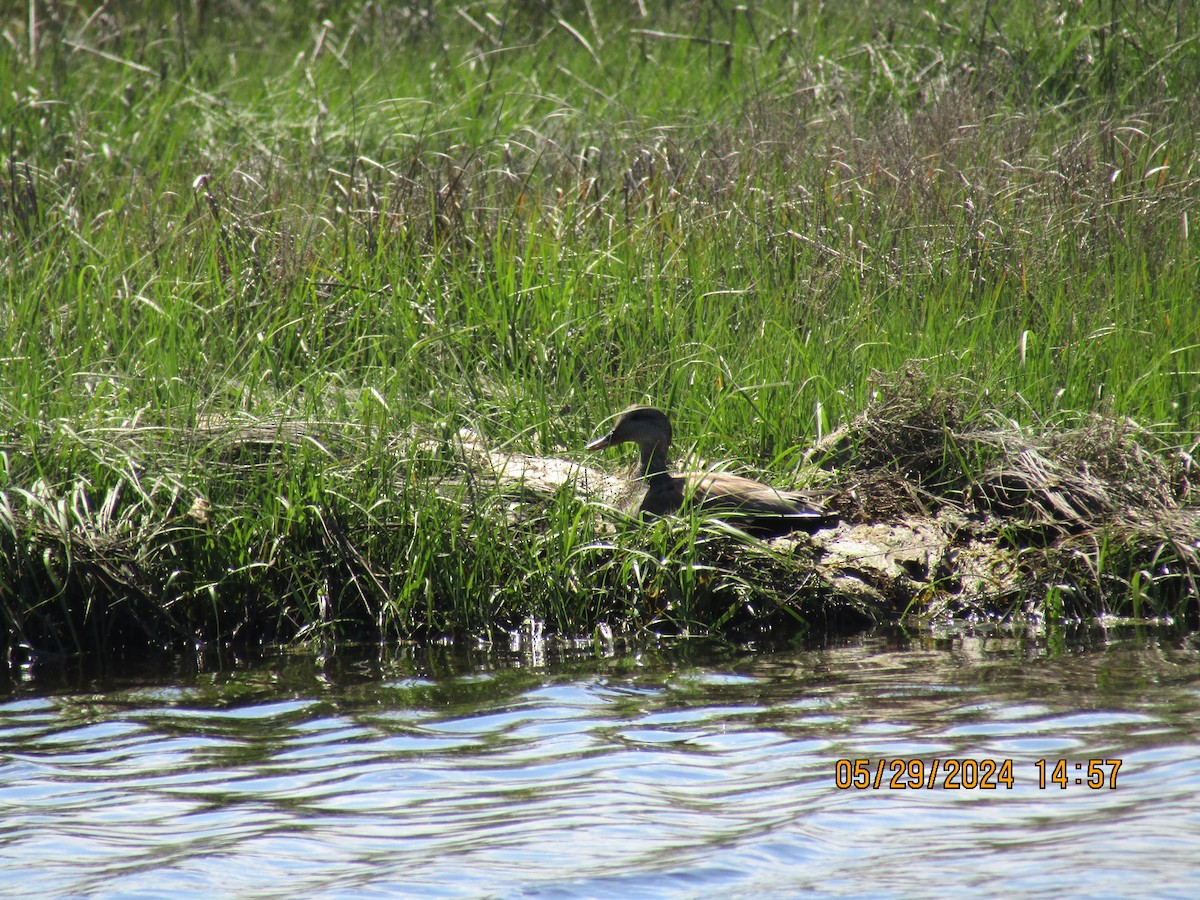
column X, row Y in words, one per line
column 389, row 231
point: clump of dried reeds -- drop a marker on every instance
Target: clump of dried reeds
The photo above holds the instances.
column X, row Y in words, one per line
column 1090, row 493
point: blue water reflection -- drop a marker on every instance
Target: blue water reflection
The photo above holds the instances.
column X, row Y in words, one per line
column 681, row 771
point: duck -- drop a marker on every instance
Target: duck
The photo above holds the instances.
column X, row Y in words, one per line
column 755, row 507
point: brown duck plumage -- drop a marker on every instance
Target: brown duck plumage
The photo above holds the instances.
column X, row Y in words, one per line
column 757, row 506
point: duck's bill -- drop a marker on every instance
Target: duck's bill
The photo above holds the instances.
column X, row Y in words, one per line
column 600, row 443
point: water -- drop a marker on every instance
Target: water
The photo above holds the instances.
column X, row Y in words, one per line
column 685, row 771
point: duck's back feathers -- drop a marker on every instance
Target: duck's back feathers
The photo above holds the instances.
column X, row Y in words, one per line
column 749, row 504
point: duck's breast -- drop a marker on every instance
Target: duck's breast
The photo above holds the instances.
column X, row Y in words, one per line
column 664, row 496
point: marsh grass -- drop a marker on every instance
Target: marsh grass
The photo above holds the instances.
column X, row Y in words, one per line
column 365, row 230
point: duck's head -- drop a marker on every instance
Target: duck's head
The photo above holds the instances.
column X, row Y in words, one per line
column 645, row 426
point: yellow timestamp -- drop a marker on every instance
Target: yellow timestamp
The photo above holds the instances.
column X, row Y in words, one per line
column 968, row 774
column 1099, row 773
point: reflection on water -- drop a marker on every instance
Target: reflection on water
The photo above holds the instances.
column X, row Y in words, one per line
column 691, row 770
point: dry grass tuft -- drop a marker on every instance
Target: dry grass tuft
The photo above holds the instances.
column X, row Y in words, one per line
column 1099, row 504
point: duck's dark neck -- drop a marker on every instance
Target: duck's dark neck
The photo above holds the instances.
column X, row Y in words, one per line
column 654, row 460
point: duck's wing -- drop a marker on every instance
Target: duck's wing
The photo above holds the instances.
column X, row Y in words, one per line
column 721, row 490
column 763, row 507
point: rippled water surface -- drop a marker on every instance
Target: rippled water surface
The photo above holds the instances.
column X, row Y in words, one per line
column 689, row 771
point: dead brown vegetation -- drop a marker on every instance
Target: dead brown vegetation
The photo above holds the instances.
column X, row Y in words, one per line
column 1096, row 507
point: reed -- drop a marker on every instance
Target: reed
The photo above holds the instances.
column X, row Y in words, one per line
column 260, row 281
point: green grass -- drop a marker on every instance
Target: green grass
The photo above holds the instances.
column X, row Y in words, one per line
column 393, row 224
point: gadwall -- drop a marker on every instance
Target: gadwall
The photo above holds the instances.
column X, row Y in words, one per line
column 757, row 507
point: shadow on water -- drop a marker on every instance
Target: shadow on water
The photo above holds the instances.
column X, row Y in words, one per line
column 528, row 657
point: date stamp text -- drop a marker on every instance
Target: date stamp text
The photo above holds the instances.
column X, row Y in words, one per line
column 970, row 774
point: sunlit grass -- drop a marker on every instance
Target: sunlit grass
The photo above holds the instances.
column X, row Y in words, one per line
column 390, row 225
